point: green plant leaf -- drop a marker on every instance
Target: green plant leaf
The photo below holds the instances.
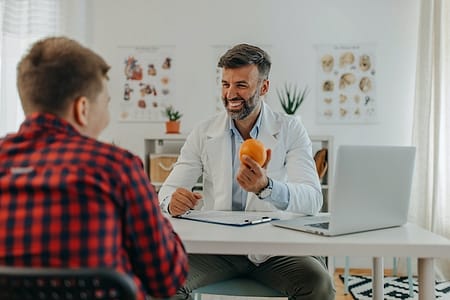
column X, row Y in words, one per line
column 291, row 97
column 172, row 114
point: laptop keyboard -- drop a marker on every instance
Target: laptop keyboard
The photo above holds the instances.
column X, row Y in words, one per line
column 320, row 225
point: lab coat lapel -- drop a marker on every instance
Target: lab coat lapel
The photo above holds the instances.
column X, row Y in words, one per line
column 268, row 135
column 270, row 128
column 218, row 148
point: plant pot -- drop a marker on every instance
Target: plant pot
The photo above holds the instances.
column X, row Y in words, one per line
column 173, row 127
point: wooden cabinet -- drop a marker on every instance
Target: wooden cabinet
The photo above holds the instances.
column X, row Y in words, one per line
column 170, row 145
column 161, row 147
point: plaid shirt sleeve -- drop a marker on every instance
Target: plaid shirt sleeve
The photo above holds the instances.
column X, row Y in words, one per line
column 156, row 252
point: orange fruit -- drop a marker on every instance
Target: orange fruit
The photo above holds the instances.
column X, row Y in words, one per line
column 255, row 149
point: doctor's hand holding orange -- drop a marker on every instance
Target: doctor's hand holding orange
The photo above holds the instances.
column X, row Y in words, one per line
column 254, row 158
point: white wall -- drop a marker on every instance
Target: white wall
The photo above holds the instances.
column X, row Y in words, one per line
column 291, row 27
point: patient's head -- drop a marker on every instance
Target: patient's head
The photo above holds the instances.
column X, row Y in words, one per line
column 57, row 70
column 61, row 77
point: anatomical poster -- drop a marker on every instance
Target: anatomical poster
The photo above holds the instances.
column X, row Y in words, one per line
column 147, row 83
column 346, row 84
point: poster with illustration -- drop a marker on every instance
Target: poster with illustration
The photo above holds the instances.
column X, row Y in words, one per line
column 347, row 84
column 147, row 83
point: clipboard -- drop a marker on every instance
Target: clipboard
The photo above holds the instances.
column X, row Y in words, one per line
column 230, row 218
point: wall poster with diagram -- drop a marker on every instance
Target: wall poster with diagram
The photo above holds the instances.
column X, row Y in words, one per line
column 347, row 84
column 147, row 83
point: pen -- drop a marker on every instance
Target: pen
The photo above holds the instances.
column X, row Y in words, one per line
column 262, row 220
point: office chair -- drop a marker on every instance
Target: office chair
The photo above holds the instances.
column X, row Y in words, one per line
column 243, row 287
column 23, row 283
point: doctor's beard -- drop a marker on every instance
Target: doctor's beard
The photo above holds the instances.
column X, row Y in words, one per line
column 248, row 106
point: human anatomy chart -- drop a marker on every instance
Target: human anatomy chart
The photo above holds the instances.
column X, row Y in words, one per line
column 347, row 84
column 148, row 83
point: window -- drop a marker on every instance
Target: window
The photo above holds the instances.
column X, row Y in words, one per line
column 21, row 23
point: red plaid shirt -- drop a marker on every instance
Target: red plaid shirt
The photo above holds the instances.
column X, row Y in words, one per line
column 67, row 200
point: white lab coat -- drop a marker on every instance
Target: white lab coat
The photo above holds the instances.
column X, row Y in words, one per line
column 207, row 152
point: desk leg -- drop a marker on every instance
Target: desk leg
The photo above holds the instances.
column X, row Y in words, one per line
column 426, row 278
column 377, row 278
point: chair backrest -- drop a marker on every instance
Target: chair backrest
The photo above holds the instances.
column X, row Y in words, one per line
column 23, row 283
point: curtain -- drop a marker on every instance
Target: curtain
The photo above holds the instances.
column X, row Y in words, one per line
column 430, row 207
column 21, row 23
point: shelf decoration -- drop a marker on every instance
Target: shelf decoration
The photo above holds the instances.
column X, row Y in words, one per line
column 173, row 119
column 347, row 84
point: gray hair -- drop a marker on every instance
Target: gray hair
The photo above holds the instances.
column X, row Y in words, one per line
column 243, row 55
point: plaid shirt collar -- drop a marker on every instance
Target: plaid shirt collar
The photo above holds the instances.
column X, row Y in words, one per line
column 47, row 122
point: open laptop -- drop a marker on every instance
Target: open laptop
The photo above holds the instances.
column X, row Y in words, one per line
column 371, row 190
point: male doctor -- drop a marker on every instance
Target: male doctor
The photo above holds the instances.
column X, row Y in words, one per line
column 287, row 181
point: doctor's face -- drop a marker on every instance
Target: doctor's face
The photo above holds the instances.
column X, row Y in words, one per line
column 241, row 91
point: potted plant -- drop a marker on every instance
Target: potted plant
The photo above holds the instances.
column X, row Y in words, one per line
column 291, row 97
column 173, row 123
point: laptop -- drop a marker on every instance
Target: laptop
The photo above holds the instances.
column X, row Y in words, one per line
column 371, row 190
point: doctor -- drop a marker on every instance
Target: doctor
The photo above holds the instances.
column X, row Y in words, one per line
column 287, row 180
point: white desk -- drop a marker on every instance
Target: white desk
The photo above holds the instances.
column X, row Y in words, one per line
column 408, row 240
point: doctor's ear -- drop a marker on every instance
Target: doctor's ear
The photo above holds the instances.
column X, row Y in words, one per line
column 264, row 87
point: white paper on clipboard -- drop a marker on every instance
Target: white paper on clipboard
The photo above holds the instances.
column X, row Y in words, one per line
column 231, row 218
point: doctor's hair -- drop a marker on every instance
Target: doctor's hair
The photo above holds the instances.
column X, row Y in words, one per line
column 243, row 55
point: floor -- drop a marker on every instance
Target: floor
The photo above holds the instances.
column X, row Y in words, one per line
column 338, row 283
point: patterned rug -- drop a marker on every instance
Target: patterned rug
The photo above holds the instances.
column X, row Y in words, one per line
column 360, row 287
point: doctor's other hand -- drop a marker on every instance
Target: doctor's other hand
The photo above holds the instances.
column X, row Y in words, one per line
column 251, row 176
column 183, row 200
